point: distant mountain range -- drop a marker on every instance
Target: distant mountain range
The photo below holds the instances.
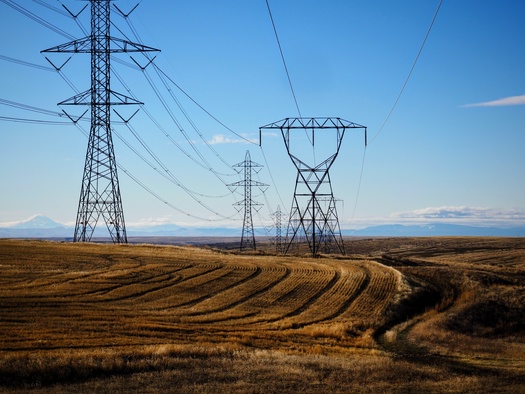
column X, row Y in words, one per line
column 43, row 227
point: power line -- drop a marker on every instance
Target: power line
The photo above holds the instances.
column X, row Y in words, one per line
column 170, row 174
column 359, row 185
column 179, row 126
column 271, row 175
column 410, row 72
column 166, row 133
column 52, row 8
column 149, row 190
column 394, row 106
column 26, row 107
column 22, row 106
column 35, row 121
column 282, row 57
column 24, row 63
column 159, row 70
column 202, row 108
column 37, row 19
column 162, row 77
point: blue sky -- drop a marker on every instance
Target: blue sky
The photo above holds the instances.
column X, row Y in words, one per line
column 452, row 149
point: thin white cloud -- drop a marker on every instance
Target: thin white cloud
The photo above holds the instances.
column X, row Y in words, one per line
column 464, row 214
column 470, row 216
column 503, row 102
column 222, row 139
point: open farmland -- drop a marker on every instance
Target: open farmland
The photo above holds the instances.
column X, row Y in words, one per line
column 435, row 314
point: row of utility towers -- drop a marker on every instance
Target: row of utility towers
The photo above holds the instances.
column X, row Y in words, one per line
column 313, row 217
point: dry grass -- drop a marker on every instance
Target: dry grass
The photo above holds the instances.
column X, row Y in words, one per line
column 91, row 317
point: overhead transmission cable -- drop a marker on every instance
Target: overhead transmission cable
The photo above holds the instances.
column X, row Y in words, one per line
column 54, row 28
column 293, row 94
column 395, row 104
column 167, row 173
column 31, row 108
column 159, row 70
column 161, row 128
column 409, row 73
column 179, row 126
column 37, row 19
column 150, row 191
column 52, row 8
column 175, row 99
column 24, row 63
column 282, row 57
column 35, row 121
column 143, row 108
column 26, row 107
column 202, row 108
column 172, row 115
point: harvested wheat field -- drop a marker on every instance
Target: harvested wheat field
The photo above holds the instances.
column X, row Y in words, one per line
column 396, row 315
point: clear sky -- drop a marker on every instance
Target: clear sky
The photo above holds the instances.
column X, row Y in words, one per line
column 452, row 149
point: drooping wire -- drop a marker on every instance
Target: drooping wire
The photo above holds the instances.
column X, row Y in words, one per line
column 31, row 108
column 282, row 57
column 37, row 19
column 310, row 139
column 161, row 76
column 409, row 73
column 170, row 113
column 24, row 63
column 35, row 109
column 271, row 176
column 190, row 121
column 159, row 70
column 179, row 126
column 201, row 107
column 52, row 8
column 163, row 130
column 359, row 186
column 35, row 121
column 157, row 196
column 394, row 106
column 167, row 173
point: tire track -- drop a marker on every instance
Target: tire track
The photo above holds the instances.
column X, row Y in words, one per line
column 347, row 302
column 192, row 303
column 246, row 298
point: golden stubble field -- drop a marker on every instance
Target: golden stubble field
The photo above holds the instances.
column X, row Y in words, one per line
column 395, row 315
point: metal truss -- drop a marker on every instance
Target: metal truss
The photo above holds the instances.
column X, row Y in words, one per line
column 247, row 167
column 100, row 191
column 277, row 216
column 313, row 215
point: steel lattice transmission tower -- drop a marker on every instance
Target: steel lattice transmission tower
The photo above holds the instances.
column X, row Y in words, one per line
column 100, row 191
column 313, row 214
column 248, row 166
column 278, row 219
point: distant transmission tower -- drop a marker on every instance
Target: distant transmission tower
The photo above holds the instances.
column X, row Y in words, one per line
column 100, row 192
column 313, row 215
column 277, row 216
column 247, row 166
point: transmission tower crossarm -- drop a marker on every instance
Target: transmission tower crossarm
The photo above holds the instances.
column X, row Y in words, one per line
column 83, row 45
column 85, row 98
column 308, row 123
